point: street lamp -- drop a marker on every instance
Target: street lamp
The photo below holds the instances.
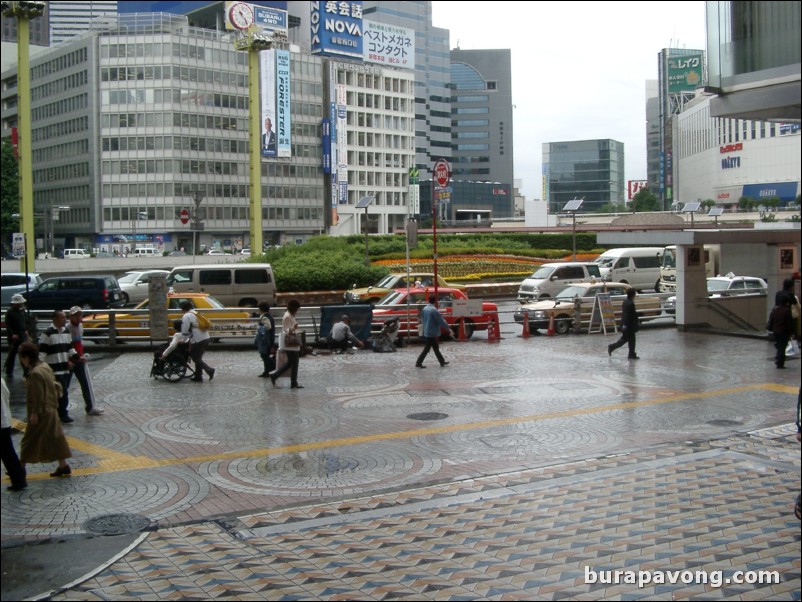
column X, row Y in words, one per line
column 363, row 204
column 197, row 222
column 54, row 211
column 572, row 207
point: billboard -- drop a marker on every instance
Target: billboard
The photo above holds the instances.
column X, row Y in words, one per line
column 337, row 28
column 274, row 83
column 635, row 186
column 685, row 72
column 389, row 45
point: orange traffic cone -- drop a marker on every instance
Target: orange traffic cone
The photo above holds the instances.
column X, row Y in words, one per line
column 461, row 336
column 493, row 331
column 526, row 334
column 550, row 331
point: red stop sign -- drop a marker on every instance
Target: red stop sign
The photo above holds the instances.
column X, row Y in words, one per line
column 184, row 216
column 442, row 173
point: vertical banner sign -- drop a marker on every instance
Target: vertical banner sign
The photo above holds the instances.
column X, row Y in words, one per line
column 342, row 145
column 283, row 103
column 267, row 84
column 325, row 127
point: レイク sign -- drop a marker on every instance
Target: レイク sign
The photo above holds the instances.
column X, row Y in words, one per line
column 442, row 173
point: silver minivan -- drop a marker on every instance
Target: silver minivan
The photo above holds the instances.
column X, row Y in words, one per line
column 550, row 278
column 234, row 285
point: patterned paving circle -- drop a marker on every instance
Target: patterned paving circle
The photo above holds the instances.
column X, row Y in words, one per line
column 318, row 472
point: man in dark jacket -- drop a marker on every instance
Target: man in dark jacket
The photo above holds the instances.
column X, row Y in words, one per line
column 16, row 331
column 782, row 325
column 629, row 326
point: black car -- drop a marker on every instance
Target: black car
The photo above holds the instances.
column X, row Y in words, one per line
column 87, row 292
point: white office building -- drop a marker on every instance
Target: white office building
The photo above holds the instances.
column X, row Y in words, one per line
column 725, row 159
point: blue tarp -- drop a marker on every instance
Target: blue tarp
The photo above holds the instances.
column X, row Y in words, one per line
column 361, row 317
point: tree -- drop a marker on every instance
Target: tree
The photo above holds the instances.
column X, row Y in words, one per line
column 9, row 193
column 745, row 203
column 708, row 203
column 645, row 201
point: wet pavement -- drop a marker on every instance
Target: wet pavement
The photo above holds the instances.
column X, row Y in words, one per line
column 520, row 471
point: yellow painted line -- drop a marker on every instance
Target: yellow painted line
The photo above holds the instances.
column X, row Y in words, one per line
column 112, row 461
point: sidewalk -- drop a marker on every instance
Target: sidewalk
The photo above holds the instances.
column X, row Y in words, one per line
column 523, row 470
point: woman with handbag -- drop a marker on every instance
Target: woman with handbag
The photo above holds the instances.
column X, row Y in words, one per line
column 290, row 343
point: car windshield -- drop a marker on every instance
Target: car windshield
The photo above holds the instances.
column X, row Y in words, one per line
column 129, row 277
column 605, row 262
column 393, row 298
column 569, row 292
column 387, row 282
column 718, row 285
column 542, row 273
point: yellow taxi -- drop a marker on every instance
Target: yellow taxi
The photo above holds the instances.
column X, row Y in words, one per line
column 372, row 294
column 226, row 322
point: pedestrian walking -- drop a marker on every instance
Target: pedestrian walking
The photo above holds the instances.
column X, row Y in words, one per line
column 629, row 326
column 290, row 343
column 433, row 324
column 782, row 325
column 79, row 365
column 16, row 331
column 266, row 339
column 199, row 340
column 10, row 459
column 44, row 439
column 56, row 345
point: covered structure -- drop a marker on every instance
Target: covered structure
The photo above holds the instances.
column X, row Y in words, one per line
column 772, row 254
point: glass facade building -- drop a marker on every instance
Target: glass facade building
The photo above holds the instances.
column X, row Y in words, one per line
column 592, row 170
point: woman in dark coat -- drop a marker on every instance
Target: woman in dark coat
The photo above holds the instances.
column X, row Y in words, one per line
column 44, row 439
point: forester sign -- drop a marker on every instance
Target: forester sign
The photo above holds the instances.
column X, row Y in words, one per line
column 337, row 28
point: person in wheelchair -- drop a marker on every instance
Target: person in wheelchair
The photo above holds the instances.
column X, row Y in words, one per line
column 178, row 339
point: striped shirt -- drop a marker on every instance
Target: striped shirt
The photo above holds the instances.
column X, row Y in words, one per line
column 56, row 348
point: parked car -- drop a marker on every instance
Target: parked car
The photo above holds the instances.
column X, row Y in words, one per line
column 76, row 254
column 373, row 294
column 14, row 282
column 88, row 292
column 562, row 306
column 135, row 284
column 216, row 252
column 726, row 286
column 177, row 253
column 550, row 278
column 235, row 321
column 394, row 305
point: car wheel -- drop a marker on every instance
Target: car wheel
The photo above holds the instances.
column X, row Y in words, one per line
column 126, row 299
column 657, row 286
column 247, row 303
column 562, row 326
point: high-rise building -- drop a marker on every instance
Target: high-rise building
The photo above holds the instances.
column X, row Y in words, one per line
column 39, row 30
column 591, row 170
column 481, row 116
column 432, row 75
column 68, row 19
column 653, row 135
column 681, row 72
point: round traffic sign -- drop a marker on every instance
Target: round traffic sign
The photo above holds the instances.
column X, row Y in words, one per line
column 184, row 216
column 442, row 173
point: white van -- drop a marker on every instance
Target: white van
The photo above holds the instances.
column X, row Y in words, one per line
column 76, row 254
column 638, row 267
column 234, row 285
column 551, row 278
column 147, row 252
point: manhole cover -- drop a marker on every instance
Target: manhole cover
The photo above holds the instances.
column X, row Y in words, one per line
column 117, row 524
column 725, row 423
column 428, row 416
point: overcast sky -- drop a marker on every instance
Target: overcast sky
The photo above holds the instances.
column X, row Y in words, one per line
column 579, row 69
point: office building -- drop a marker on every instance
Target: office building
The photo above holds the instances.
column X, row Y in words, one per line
column 727, row 159
column 591, row 170
column 681, row 72
column 481, row 116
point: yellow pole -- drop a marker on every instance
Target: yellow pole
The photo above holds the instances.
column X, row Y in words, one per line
column 24, row 143
column 255, row 169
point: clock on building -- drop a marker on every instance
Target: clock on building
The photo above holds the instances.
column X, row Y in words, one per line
column 240, row 15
